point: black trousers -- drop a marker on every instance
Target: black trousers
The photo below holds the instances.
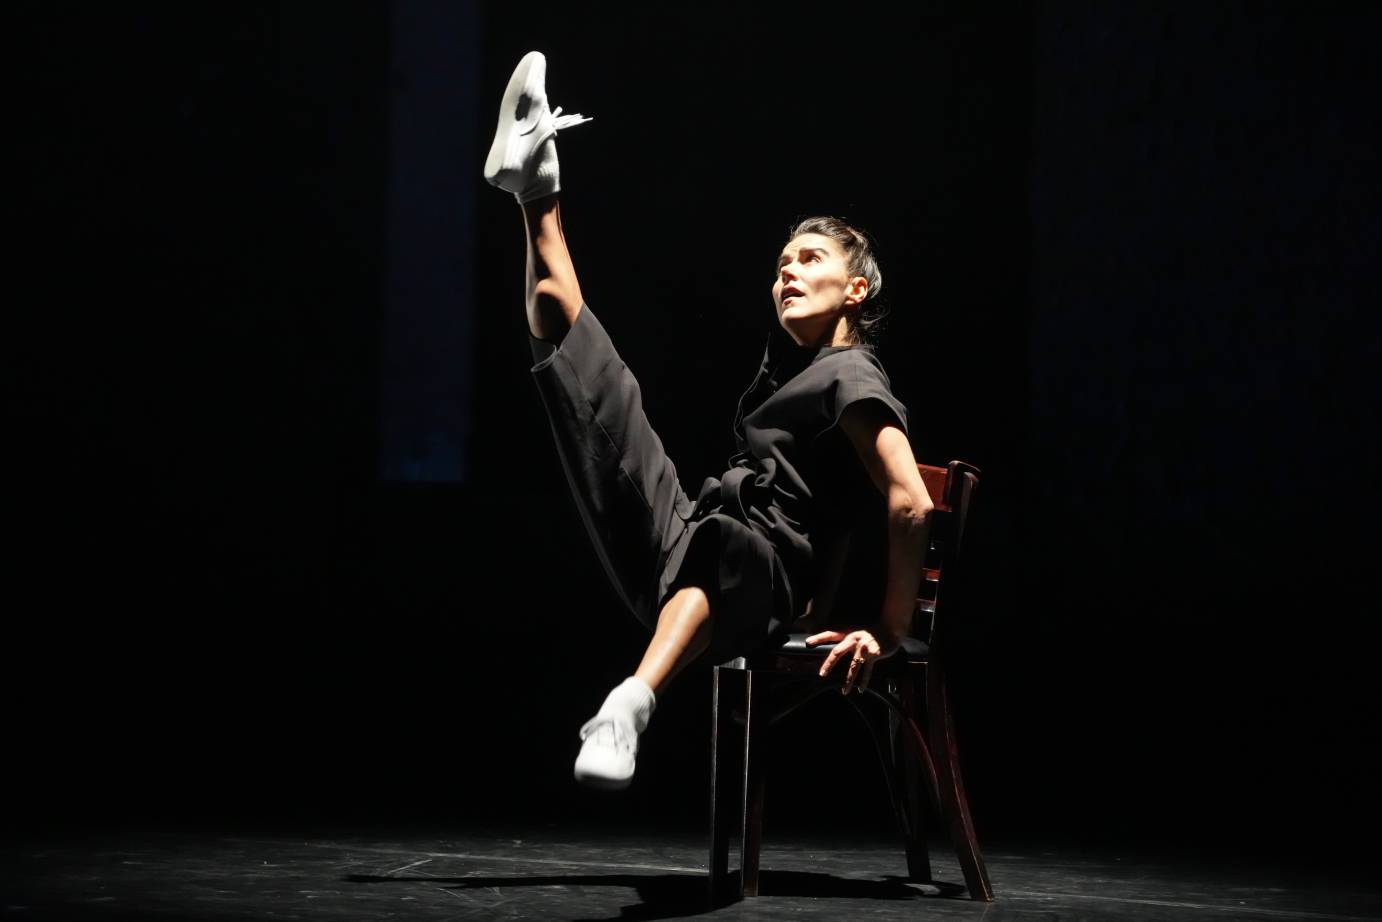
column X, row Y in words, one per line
column 626, row 488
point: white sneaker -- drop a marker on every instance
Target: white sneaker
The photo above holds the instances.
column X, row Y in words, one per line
column 607, row 757
column 520, row 159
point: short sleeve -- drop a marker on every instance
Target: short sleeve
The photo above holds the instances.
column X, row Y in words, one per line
column 858, row 376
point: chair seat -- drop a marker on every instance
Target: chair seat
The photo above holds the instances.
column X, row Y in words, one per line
column 913, row 648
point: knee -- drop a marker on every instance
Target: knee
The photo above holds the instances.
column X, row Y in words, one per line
column 560, row 300
column 688, row 607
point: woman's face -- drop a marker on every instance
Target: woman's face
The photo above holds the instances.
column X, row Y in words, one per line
column 813, row 290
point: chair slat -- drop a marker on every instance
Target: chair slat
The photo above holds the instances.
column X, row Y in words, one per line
column 934, row 478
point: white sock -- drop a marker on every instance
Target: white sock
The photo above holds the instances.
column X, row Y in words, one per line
column 631, row 701
column 544, row 174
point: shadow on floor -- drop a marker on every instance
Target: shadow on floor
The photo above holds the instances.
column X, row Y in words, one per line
column 665, row 896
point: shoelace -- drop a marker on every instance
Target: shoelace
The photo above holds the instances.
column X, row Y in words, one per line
column 619, row 735
column 567, row 121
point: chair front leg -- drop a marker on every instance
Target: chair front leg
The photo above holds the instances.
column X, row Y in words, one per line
column 726, row 792
column 757, row 717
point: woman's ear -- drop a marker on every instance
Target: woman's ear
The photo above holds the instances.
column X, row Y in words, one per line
column 856, row 291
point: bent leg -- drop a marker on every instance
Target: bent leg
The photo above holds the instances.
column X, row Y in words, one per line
column 609, row 740
column 683, row 633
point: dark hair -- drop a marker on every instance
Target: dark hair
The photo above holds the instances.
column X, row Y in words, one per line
column 866, row 321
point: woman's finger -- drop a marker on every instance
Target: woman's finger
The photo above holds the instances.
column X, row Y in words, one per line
column 867, row 674
column 852, row 676
column 824, row 637
column 833, row 658
column 869, row 651
column 842, row 649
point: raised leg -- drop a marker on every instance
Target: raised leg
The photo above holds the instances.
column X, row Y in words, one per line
column 624, row 485
column 553, row 294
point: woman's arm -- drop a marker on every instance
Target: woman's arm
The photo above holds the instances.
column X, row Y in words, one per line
column 887, row 456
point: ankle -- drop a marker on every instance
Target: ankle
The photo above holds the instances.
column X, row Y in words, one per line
column 631, row 701
column 537, row 208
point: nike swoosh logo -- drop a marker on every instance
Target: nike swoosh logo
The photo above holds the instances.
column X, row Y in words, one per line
column 527, row 104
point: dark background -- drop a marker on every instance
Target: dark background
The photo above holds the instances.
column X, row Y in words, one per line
column 1130, row 253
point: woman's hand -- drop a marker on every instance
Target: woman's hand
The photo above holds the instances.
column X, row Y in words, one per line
column 863, row 650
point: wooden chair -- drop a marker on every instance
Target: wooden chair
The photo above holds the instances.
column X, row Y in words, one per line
column 752, row 693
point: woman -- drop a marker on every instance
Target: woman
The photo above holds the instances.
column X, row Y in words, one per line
column 819, row 432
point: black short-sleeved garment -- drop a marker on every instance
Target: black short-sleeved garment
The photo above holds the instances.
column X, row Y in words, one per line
column 795, row 481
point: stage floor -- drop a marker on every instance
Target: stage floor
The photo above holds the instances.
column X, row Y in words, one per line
column 553, row 873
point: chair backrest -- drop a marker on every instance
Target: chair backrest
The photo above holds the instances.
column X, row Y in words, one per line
column 861, row 551
column 951, row 488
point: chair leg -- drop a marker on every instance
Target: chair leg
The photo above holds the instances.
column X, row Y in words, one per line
column 756, row 720
column 725, row 793
column 952, row 791
column 908, row 765
column 900, row 767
